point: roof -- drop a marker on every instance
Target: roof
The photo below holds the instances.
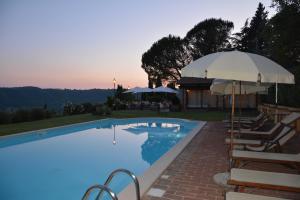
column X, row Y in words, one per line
column 195, row 82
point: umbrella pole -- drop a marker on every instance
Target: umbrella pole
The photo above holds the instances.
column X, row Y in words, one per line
column 240, row 107
column 232, row 115
column 276, row 103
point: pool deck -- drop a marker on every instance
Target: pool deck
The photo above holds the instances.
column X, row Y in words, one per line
column 190, row 175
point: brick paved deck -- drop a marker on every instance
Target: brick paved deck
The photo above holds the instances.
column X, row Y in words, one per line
column 190, row 175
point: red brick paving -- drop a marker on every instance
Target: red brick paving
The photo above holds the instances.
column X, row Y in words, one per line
column 191, row 173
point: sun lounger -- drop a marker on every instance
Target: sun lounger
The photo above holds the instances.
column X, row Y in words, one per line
column 291, row 118
column 260, row 134
column 282, row 138
column 245, row 119
column 241, row 157
column 244, row 142
column 288, row 120
column 245, row 196
column 267, row 134
column 249, row 125
column 266, row 180
column 275, row 144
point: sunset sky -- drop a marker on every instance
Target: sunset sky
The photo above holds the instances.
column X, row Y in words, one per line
column 85, row 44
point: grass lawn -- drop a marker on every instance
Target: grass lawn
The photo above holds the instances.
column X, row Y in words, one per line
column 59, row 121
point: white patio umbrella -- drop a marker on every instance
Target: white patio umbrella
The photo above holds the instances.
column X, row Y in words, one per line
column 163, row 89
column 238, row 66
column 132, row 90
column 138, row 90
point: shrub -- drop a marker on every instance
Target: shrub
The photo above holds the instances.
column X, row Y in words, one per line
column 68, row 108
column 21, row 116
column 78, row 109
column 88, row 107
column 109, row 101
column 175, row 100
column 102, row 110
column 50, row 113
column 38, row 114
column 120, row 105
column 5, row 117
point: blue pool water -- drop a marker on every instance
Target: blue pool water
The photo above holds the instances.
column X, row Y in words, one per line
column 61, row 163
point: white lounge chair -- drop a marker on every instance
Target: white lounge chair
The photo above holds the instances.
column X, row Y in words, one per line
column 249, row 125
column 245, row 119
column 291, row 118
column 264, row 145
column 287, row 120
column 241, row 157
column 266, row 180
column 245, row 196
column 282, row 138
column 244, row 142
column 260, row 134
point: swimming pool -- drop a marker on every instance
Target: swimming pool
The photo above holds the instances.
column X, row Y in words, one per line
column 61, row 163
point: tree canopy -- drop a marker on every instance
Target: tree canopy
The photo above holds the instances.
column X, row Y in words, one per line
column 251, row 38
column 208, row 36
column 282, row 36
column 279, row 39
column 165, row 59
column 167, row 56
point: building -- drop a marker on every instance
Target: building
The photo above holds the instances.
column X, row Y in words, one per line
column 196, row 95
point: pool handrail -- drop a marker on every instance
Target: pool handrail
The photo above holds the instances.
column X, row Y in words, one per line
column 101, row 188
column 130, row 174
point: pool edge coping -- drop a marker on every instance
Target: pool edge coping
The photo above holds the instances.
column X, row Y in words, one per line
column 147, row 179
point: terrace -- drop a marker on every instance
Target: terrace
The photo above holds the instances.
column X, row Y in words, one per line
column 190, row 175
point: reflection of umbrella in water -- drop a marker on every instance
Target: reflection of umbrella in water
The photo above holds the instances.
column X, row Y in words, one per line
column 152, row 130
column 104, row 125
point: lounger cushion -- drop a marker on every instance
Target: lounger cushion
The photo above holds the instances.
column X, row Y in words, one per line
column 265, row 178
column 290, row 118
column 243, row 141
column 266, row 156
column 245, row 196
column 282, row 138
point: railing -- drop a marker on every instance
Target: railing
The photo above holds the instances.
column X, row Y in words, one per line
column 105, row 188
column 130, row 174
column 101, row 188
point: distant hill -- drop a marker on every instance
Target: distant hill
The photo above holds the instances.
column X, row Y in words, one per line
column 29, row 97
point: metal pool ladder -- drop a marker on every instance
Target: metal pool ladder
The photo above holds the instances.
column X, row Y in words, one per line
column 105, row 188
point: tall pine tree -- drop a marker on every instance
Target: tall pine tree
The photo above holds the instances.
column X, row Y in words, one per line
column 251, row 38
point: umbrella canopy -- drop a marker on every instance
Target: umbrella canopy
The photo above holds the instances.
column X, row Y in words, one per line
column 138, row 90
column 237, row 65
column 164, row 90
column 224, row 87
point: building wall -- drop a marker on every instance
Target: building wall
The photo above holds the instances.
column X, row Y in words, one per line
column 195, row 98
